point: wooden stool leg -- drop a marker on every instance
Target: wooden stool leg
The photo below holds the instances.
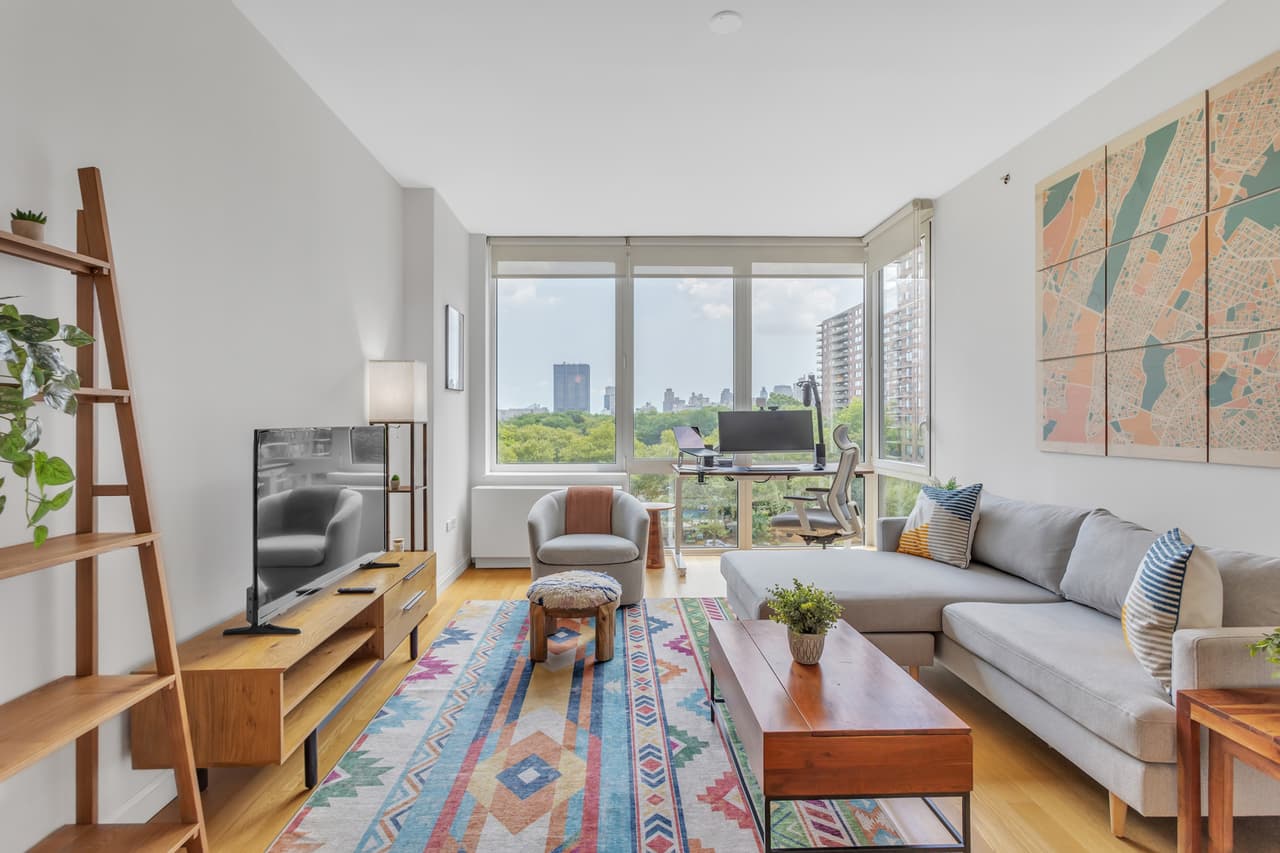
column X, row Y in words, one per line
column 604, row 631
column 551, row 624
column 537, row 632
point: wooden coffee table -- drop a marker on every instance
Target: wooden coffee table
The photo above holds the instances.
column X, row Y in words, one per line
column 853, row 726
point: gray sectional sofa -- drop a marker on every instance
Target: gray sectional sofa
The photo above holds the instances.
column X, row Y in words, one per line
column 1033, row 624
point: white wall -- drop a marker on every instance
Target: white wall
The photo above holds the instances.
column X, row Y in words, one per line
column 985, row 311
column 437, row 273
column 259, row 253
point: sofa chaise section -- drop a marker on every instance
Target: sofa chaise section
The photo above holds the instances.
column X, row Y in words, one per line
column 895, row 600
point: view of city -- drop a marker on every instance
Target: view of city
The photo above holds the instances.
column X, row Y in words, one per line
column 557, row 394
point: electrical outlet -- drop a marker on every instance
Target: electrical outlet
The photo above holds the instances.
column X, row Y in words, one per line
column 450, row 525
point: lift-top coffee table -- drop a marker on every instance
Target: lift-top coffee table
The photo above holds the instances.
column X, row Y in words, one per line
column 853, row 726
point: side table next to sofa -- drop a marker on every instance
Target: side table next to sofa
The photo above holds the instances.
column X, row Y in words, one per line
column 1243, row 724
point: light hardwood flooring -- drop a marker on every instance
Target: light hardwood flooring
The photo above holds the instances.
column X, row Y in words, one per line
column 1026, row 797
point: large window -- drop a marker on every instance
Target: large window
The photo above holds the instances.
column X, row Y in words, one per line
column 806, row 319
column 601, row 348
column 904, row 358
column 555, row 355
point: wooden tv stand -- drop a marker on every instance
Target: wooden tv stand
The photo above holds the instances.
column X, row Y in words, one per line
column 253, row 700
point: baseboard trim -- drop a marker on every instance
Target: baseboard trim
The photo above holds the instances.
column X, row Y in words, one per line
column 149, row 801
column 443, row 582
column 502, row 562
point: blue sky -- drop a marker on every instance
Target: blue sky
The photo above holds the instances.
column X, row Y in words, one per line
column 683, row 333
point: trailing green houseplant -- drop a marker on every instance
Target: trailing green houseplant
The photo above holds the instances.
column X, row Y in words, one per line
column 29, row 347
column 28, row 223
column 808, row 612
column 1270, row 646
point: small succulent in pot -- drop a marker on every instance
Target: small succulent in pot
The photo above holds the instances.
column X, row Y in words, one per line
column 1270, row 646
column 395, row 481
column 28, row 223
column 808, row 612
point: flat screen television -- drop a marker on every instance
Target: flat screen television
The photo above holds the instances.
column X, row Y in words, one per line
column 319, row 513
column 766, row 432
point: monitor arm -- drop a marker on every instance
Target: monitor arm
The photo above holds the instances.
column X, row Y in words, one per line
column 812, row 397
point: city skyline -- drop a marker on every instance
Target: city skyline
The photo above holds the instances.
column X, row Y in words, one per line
column 683, row 331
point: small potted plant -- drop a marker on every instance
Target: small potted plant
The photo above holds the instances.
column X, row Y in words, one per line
column 809, row 613
column 28, row 223
column 395, row 482
column 1270, row 646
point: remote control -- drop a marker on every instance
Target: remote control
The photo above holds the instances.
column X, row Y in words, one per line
column 356, row 590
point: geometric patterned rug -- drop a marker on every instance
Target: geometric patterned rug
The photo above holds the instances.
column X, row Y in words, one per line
column 480, row 750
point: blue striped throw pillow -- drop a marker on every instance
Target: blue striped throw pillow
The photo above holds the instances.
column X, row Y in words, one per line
column 942, row 524
column 1177, row 586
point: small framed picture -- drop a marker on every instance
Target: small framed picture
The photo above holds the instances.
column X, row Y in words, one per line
column 453, row 348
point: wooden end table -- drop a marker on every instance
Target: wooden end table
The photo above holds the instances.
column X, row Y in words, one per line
column 1243, row 724
column 657, row 558
column 852, row 726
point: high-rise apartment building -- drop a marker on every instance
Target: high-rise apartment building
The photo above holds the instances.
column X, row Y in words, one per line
column 905, row 370
column 610, row 399
column 841, row 358
column 572, row 387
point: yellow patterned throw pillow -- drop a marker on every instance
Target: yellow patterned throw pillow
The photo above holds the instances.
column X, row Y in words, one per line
column 941, row 525
column 1177, row 586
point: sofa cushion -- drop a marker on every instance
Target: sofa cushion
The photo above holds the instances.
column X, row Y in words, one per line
column 1030, row 540
column 1250, row 588
column 879, row 590
column 587, row 549
column 1075, row 659
column 1104, row 560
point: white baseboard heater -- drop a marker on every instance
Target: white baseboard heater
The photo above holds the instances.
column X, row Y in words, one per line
column 499, row 524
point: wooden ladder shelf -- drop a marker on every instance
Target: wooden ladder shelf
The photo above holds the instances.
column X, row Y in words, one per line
column 73, row 707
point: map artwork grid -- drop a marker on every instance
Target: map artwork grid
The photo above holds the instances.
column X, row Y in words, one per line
column 1188, row 364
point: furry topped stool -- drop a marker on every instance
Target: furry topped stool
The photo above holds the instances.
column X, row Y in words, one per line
column 572, row 595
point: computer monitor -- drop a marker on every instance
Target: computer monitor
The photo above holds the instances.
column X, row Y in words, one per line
column 766, row 432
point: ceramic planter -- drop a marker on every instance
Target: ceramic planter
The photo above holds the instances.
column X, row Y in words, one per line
column 806, row 648
column 27, row 228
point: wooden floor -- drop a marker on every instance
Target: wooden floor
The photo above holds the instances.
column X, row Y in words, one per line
column 1026, row 797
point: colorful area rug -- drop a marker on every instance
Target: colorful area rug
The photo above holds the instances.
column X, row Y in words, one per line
column 479, row 750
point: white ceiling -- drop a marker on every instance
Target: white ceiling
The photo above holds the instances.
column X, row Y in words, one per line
column 587, row 117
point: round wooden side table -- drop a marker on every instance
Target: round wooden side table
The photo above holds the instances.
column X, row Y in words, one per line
column 657, row 558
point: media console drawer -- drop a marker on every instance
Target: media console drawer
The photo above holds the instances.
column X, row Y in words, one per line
column 405, row 605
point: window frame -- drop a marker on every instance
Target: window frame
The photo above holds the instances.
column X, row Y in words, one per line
column 900, row 234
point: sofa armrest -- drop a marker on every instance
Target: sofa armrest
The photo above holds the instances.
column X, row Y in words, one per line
column 889, row 531
column 1206, row 658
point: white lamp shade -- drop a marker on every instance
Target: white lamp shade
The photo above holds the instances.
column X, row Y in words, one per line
column 398, row 391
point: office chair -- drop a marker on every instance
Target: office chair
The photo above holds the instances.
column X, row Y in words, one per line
column 826, row 515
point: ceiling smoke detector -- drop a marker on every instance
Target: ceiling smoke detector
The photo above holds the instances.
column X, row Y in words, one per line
column 723, row 23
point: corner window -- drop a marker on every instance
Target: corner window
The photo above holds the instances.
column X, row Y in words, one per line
column 904, row 359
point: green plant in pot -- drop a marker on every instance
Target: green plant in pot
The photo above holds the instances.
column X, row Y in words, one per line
column 1269, row 645
column 28, row 223
column 808, row 612
column 395, row 482
column 30, row 351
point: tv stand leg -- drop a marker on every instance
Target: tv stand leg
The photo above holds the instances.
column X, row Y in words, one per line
column 202, row 778
column 413, row 644
column 309, row 760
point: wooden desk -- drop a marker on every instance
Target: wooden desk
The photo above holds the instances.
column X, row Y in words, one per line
column 756, row 473
column 854, row 725
column 1243, row 724
column 253, row 700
